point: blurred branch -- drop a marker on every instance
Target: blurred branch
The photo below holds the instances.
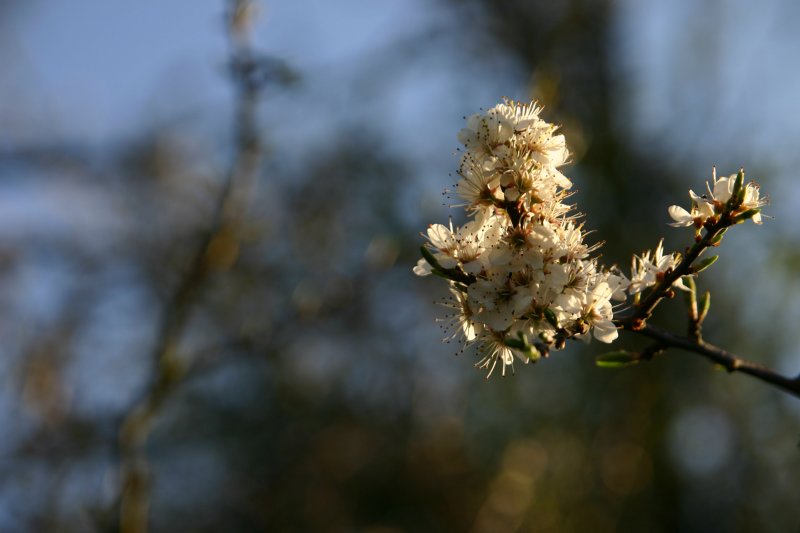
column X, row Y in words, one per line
column 249, row 81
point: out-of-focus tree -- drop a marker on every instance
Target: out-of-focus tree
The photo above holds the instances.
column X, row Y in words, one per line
column 250, row 302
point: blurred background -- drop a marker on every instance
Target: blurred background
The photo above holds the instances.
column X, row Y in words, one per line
column 210, row 211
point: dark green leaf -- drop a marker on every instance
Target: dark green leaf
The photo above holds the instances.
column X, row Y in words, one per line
column 705, row 305
column 617, row 359
column 747, row 215
column 738, row 190
column 429, row 258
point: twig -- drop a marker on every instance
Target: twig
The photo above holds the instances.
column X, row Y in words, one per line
column 728, row 360
column 694, row 343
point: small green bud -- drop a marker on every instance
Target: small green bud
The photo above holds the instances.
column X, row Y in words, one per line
column 532, row 353
column 551, row 317
column 704, row 264
column 522, row 345
column 517, row 344
column 617, row 359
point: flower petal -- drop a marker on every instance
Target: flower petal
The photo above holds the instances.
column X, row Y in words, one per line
column 423, row 268
column 605, row 331
column 680, row 215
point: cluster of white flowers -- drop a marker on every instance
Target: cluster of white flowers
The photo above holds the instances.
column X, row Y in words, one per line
column 522, row 277
column 713, row 204
column 645, row 271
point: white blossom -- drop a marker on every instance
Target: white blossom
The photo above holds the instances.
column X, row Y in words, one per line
column 597, row 311
column 645, row 271
column 526, row 275
column 753, row 201
column 478, row 187
column 459, row 325
column 494, row 350
column 523, row 278
column 720, row 191
column 701, row 210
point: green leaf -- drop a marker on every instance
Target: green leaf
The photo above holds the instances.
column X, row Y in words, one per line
column 737, row 195
column 718, row 238
column 747, row 215
column 428, row 256
column 704, row 264
column 691, row 294
column 436, row 268
column 617, row 359
column 705, row 305
column 436, row 272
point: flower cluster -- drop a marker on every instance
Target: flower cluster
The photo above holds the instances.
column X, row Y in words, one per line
column 523, row 280
column 722, row 196
column 645, row 272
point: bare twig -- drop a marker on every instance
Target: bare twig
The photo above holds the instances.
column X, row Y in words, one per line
column 728, row 360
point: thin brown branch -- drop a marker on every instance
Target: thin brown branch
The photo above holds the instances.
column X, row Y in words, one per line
column 694, row 343
column 724, row 358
